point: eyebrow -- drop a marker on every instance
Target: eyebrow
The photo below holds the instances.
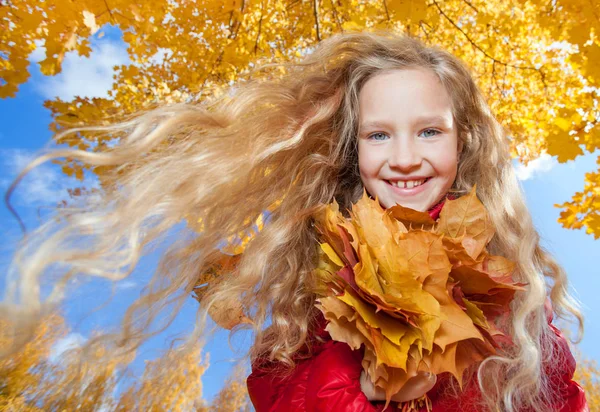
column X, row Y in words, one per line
column 436, row 119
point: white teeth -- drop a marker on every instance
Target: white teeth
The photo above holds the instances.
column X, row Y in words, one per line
column 409, row 184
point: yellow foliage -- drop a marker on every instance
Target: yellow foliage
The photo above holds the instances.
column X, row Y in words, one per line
column 88, row 386
column 584, row 208
column 32, row 382
column 22, row 373
column 540, row 89
column 587, row 375
column 180, row 390
column 233, row 397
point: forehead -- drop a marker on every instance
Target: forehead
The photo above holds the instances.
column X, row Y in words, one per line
column 404, row 94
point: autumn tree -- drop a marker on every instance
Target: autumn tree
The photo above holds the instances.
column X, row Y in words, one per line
column 233, row 397
column 587, row 375
column 31, row 380
column 22, row 373
column 180, row 391
column 36, row 379
column 536, row 61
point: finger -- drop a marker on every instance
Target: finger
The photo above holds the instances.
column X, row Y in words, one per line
column 416, row 387
column 367, row 387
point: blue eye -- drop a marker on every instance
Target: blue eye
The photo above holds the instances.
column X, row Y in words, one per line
column 376, row 134
column 430, row 130
column 426, row 133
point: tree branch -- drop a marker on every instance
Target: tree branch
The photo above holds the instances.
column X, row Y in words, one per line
column 234, row 27
column 112, row 18
column 421, row 25
column 387, row 12
column 262, row 9
column 471, row 5
column 336, row 17
column 485, row 53
column 316, row 13
column 592, row 5
column 11, row 9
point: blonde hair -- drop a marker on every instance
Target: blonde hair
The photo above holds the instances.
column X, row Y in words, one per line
column 292, row 139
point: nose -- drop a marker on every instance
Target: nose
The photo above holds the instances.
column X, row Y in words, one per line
column 405, row 155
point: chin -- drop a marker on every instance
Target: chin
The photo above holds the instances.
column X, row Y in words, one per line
column 413, row 206
column 420, row 206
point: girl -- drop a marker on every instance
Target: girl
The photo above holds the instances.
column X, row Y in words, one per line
column 373, row 112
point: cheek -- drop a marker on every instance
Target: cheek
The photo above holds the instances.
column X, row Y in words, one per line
column 366, row 163
column 447, row 167
column 362, row 166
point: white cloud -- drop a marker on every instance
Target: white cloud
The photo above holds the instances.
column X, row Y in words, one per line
column 71, row 341
column 39, row 53
column 43, row 185
column 83, row 76
column 536, row 167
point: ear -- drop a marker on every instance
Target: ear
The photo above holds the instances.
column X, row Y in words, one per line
column 459, row 148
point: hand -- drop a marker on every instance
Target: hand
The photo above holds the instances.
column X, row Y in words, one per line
column 414, row 388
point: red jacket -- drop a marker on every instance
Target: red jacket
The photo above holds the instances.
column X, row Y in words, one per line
column 329, row 380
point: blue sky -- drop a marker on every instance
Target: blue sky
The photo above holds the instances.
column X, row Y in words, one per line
column 24, row 130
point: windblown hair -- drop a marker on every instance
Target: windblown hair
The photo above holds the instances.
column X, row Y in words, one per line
column 293, row 139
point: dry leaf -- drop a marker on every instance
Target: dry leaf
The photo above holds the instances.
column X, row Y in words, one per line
column 226, row 314
column 419, row 295
column 466, row 217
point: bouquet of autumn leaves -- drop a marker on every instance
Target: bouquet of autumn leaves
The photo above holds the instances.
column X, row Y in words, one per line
column 420, row 295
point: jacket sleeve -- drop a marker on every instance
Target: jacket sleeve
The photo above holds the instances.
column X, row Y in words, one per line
column 328, row 381
column 571, row 396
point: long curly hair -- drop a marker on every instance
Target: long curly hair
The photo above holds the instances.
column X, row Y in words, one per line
column 288, row 140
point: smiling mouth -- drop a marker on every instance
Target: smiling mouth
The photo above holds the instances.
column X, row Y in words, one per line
column 406, row 191
column 407, row 188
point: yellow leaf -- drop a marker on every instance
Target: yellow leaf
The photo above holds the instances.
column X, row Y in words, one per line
column 476, row 281
column 50, row 66
column 385, row 332
column 562, row 145
column 475, row 314
column 411, row 10
column 351, row 25
column 331, row 254
column 341, row 322
column 564, row 124
column 410, row 216
column 371, row 222
column 466, row 216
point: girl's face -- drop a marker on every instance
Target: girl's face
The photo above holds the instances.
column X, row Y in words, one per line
column 407, row 142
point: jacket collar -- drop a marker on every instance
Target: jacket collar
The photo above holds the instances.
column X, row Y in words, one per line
column 434, row 211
